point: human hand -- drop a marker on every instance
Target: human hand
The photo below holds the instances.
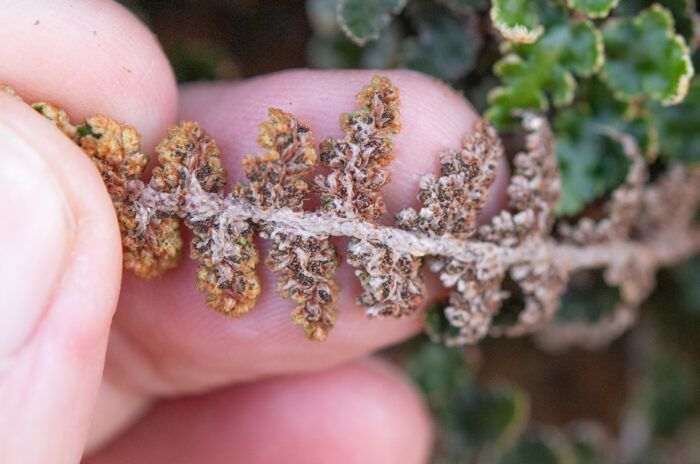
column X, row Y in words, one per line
column 179, row 382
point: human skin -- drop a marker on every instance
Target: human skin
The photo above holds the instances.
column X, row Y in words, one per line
column 141, row 371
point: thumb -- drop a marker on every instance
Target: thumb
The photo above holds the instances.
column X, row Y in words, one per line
column 59, row 280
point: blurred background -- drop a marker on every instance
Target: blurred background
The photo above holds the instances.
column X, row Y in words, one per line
column 634, row 399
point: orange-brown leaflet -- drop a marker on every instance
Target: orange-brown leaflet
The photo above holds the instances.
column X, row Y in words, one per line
column 190, row 162
column 306, row 263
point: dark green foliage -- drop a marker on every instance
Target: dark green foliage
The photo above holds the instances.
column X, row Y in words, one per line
column 593, row 8
column 473, row 419
column 444, row 45
column 536, row 451
column 645, row 59
column 678, row 127
column 517, row 20
column 329, row 47
column 440, row 372
column 362, row 20
column 586, row 452
column 440, row 40
column 436, row 324
column 491, row 422
column 491, row 417
column 672, row 395
column 591, row 161
column 682, row 11
column 337, row 51
column 587, row 299
column 531, row 72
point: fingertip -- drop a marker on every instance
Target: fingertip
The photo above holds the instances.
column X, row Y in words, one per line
column 49, row 383
column 95, row 247
column 88, row 57
column 358, row 413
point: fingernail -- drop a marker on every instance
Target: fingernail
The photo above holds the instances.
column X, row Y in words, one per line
column 36, row 232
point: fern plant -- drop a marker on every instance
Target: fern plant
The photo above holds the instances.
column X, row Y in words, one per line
column 634, row 240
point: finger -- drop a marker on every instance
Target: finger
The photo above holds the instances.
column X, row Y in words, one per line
column 359, row 413
column 166, row 341
column 88, row 57
column 58, row 287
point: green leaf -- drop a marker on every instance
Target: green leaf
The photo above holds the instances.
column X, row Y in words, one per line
column 338, row 52
column 591, row 162
column 440, row 372
column 562, row 86
column 531, row 71
column 516, row 20
column 645, row 58
column 585, row 453
column 530, row 450
column 329, row 48
column 437, row 327
column 590, row 443
column 583, row 53
column 491, row 417
column 672, row 395
column 678, row 127
column 363, row 20
column 593, row 8
column 444, row 46
column 587, row 299
column 683, row 12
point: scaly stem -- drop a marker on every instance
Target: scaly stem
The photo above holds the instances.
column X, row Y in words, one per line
column 662, row 250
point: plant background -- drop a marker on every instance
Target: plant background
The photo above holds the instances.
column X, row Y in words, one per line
column 636, row 400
